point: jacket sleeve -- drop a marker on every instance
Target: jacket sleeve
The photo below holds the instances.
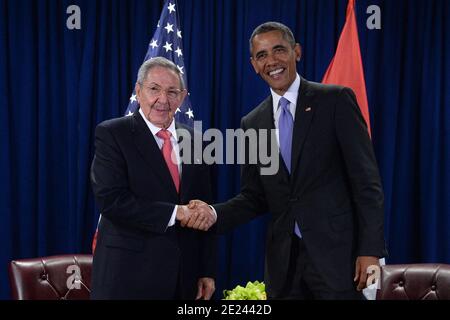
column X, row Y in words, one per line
column 112, row 193
column 248, row 204
column 362, row 170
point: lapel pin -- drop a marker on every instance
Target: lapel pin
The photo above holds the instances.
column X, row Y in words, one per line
column 308, row 109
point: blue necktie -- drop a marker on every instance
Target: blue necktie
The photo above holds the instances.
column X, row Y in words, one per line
column 285, row 127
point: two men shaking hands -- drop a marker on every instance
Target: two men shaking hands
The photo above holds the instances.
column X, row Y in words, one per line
column 197, row 215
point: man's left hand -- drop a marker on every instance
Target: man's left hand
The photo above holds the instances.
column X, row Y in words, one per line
column 362, row 263
column 206, row 288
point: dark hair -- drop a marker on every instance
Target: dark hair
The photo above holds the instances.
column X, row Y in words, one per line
column 273, row 26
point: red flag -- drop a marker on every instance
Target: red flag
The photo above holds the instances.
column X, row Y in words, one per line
column 346, row 68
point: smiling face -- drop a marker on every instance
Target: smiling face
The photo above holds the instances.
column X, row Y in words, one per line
column 274, row 59
column 160, row 95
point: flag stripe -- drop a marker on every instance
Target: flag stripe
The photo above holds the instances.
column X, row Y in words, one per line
column 167, row 42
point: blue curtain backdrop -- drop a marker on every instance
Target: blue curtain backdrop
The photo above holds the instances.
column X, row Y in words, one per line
column 57, row 84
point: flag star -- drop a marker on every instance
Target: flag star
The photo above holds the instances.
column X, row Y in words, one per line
column 169, row 27
column 181, row 69
column 178, row 51
column 133, row 98
column 154, row 44
column 168, row 47
column 179, row 33
column 129, row 113
column 189, row 113
column 171, row 7
column 178, row 110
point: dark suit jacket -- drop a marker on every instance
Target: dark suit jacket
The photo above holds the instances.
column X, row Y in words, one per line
column 334, row 191
column 137, row 256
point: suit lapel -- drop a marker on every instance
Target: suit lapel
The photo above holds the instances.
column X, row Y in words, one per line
column 187, row 169
column 149, row 149
column 303, row 116
column 266, row 116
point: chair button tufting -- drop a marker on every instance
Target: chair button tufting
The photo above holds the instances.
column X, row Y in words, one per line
column 44, row 277
column 401, row 283
column 433, row 287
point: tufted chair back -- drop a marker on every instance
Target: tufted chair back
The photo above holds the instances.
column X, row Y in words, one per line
column 65, row 277
column 415, row 282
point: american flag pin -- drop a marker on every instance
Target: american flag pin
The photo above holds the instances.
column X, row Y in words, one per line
column 308, row 109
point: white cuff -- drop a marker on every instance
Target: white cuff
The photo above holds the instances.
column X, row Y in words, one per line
column 173, row 217
column 214, row 211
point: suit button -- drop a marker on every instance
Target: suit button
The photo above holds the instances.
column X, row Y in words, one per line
column 293, row 199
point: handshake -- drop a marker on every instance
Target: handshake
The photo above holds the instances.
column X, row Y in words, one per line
column 197, row 215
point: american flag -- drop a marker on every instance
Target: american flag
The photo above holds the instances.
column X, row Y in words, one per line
column 167, row 43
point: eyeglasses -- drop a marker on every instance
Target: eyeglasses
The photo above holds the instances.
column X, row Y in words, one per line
column 155, row 91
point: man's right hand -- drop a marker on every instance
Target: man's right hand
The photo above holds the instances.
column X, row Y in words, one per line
column 197, row 215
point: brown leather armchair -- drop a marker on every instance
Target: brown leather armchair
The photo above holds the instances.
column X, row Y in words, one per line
column 49, row 278
column 424, row 281
column 65, row 277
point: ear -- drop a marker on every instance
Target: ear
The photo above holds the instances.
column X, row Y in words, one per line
column 298, row 52
column 255, row 65
column 137, row 89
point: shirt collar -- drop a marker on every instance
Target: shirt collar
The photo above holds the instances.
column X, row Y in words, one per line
column 154, row 129
column 291, row 94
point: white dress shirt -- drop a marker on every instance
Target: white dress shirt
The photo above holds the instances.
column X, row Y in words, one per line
column 291, row 95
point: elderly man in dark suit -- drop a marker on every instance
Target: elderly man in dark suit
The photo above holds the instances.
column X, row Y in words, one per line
column 139, row 182
column 326, row 199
